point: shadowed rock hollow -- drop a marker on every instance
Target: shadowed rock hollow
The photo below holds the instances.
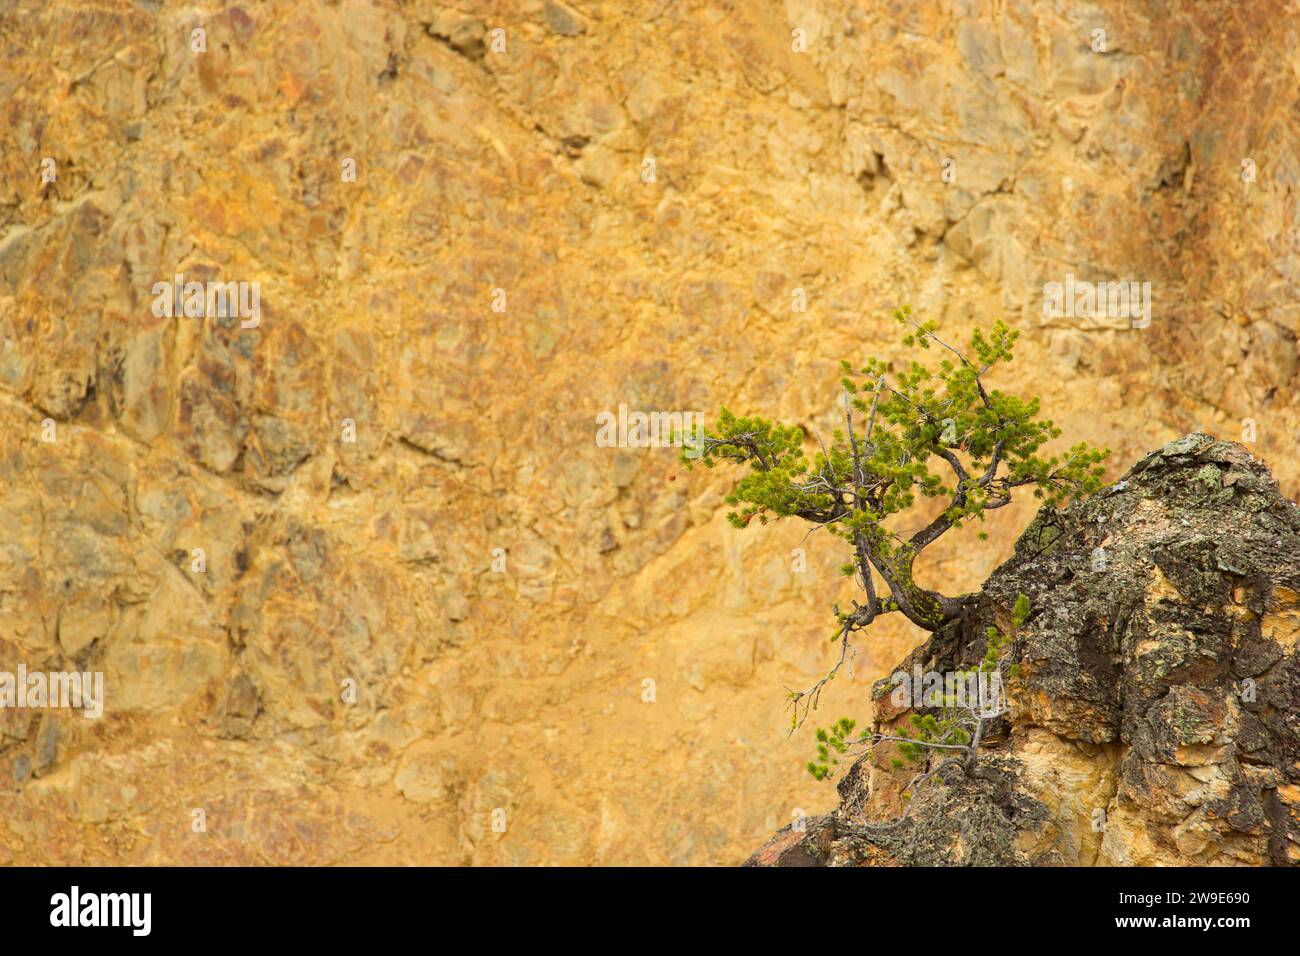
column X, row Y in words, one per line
column 1152, row 717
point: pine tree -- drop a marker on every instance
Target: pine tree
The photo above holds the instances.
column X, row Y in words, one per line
column 936, row 432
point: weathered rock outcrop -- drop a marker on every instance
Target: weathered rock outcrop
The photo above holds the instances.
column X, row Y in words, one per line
column 1153, row 712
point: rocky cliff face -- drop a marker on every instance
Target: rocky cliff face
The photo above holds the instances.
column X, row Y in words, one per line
column 503, row 267
column 1154, row 711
